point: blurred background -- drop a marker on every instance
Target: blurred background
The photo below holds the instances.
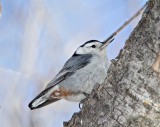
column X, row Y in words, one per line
column 37, row 37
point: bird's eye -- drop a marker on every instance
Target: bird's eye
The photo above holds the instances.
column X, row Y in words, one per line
column 93, row 46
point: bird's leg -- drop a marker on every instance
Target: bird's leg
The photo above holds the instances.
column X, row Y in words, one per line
column 82, row 101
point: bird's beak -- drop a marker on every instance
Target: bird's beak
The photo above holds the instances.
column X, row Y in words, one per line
column 106, row 43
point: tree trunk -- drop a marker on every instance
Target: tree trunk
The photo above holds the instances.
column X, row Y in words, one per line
column 130, row 95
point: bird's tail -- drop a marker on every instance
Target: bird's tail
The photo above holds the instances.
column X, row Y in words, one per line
column 42, row 100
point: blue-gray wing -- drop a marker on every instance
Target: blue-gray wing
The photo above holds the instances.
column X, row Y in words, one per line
column 75, row 63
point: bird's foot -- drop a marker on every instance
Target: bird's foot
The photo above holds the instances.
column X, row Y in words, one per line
column 82, row 101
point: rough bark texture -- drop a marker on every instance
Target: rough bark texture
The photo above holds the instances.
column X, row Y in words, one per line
column 130, row 95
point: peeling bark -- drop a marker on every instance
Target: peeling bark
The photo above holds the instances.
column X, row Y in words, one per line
column 130, row 95
column 156, row 65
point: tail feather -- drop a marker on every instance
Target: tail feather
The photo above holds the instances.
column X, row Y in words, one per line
column 31, row 106
column 42, row 100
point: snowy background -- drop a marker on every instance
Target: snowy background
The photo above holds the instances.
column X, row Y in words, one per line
column 37, row 37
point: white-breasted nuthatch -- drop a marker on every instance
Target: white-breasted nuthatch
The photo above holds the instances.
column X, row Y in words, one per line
column 87, row 67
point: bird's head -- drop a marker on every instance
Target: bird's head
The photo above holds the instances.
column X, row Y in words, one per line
column 93, row 47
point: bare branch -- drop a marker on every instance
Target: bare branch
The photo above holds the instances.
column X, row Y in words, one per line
column 126, row 22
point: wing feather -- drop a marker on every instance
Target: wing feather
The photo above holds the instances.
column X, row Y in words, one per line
column 75, row 63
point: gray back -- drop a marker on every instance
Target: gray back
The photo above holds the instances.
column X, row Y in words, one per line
column 75, row 63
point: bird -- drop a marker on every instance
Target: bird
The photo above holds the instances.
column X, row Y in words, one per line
column 87, row 67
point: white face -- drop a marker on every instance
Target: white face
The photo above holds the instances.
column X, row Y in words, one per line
column 91, row 47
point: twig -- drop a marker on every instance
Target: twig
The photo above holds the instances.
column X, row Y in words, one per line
column 126, row 23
